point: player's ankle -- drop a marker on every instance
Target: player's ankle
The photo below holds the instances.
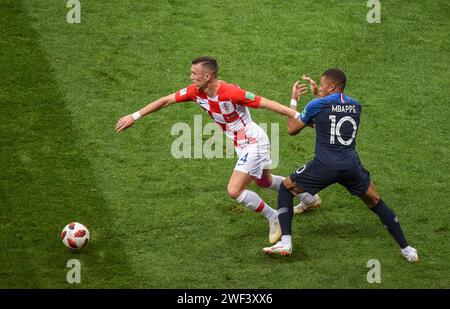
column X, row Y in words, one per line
column 307, row 198
column 272, row 216
column 286, row 240
column 407, row 249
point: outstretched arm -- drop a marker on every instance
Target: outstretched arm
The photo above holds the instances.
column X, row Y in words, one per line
column 278, row 108
column 128, row 120
column 296, row 125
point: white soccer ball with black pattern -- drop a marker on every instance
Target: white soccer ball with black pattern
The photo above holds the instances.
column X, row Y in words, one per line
column 75, row 236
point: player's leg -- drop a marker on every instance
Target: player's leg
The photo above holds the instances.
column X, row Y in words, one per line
column 268, row 180
column 358, row 182
column 288, row 189
column 271, row 181
column 253, row 159
column 307, row 202
column 309, row 178
column 390, row 221
column 237, row 189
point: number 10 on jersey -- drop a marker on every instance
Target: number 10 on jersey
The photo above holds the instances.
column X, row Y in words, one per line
column 335, row 130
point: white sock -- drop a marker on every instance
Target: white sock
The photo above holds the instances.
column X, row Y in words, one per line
column 252, row 200
column 276, row 182
column 407, row 249
column 307, row 198
column 286, row 240
column 304, row 197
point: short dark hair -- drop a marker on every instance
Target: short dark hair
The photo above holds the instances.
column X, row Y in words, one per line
column 336, row 76
column 207, row 62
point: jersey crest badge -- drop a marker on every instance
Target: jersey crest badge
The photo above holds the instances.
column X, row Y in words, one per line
column 226, row 107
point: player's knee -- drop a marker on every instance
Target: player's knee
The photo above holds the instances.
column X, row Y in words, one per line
column 263, row 182
column 288, row 184
column 373, row 201
column 283, row 188
column 234, row 192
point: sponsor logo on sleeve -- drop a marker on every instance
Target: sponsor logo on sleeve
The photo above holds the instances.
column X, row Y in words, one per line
column 303, row 113
column 183, row 91
column 249, row 95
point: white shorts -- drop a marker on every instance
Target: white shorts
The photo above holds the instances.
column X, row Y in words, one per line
column 254, row 158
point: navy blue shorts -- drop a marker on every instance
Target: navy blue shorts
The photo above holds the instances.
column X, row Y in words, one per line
column 313, row 177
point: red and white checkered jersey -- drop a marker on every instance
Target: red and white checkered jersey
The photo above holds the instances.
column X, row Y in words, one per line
column 229, row 109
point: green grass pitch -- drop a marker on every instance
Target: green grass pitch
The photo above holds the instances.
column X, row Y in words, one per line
column 161, row 222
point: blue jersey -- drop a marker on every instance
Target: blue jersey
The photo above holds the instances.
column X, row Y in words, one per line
column 336, row 120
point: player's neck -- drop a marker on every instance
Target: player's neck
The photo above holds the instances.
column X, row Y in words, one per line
column 336, row 91
column 212, row 88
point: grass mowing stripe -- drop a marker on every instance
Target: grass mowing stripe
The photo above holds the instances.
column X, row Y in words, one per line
column 45, row 181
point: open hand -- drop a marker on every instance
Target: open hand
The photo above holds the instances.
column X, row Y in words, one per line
column 298, row 90
column 124, row 122
column 312, row 84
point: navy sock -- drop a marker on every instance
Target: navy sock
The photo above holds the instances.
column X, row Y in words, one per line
column 285, row 209
column 390, row 222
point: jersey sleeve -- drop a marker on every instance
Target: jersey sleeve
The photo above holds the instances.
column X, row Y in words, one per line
column 310, row 111
column 242, row 97
column 186, row 94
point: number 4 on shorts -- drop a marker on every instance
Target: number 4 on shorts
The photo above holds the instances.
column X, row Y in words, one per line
column 243, row 159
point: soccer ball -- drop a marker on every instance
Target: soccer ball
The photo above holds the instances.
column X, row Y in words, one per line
column 75, row 236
